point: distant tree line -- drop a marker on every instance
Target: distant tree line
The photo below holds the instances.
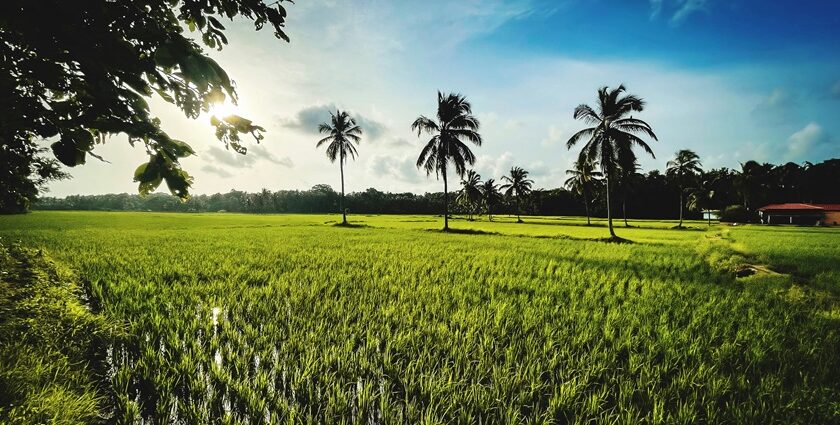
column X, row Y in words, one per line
column 651, row 195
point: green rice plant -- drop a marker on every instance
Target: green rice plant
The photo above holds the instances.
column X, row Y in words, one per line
column 277, row 319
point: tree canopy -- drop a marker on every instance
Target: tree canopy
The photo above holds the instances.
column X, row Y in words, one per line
column 76, row 72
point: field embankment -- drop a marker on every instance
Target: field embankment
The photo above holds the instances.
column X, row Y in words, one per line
column 49, row 343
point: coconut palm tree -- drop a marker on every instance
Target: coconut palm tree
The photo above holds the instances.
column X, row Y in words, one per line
column 342, row 133
column 582, row 177
column 613, row 133
column 490, row 196
column 455, row 125
column 517, row 187
column 684, row 169
column 470, row 194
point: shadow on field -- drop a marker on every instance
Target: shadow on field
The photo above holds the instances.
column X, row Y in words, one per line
column 350, row 225
column 687, row 228
column 611, row 240
column 600, row 225
column 466, row 232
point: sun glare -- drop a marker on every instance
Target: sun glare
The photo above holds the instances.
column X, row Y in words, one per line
column 221, row 110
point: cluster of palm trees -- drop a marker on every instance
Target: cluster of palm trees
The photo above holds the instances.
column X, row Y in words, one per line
column 475, row 194
column 684, row 170
column 606, row 156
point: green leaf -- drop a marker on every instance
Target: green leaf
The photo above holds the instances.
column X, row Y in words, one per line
column 179, row 149
column 67, row 153
column 179, row 181
column 148, row 175
column 73, row 146
column 165, row 56
column 148, row 187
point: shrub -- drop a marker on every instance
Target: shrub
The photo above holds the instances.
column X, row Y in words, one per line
column 735, row 214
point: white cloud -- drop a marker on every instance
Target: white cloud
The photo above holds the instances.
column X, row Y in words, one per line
column 655, row 8
column 512, row 124
column 494, row 167
column 802, row 143
column 488, row 119
column 687, row 8
column 308, row 119
column 778, row 97
column 231, row 159
column 261, row 152
column 682, row 9
column 555, row 135
column 403, row 169
column 779, row 107
column 212, row 169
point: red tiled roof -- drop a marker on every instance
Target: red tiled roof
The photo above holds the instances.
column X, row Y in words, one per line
column 800, row 207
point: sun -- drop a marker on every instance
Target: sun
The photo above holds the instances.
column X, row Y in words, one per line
column 224, row 109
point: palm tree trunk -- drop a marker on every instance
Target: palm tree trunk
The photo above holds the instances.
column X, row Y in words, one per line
column 624, row 210
column 445, row 201
column 518, row 211
column 609, row 213
column 586, row 205
column 343, row 211
column 681, row 208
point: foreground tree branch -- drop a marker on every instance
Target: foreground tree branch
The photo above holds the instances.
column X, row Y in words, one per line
column 76, row 72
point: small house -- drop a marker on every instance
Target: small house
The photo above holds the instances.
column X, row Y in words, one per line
column 795, row 213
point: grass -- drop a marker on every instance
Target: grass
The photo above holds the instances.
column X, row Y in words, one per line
column 279, row 318
column 48, row 342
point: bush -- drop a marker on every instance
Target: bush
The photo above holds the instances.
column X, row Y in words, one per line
column 734, row 214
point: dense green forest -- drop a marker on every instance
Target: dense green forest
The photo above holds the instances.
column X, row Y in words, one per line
column 650, row 195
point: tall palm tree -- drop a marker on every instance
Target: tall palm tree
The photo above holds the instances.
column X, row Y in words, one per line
column 518, row 186
column 455, row 125
column 582, row 177
column 490, row 196
column 612, row 135
column 470, row 194
column 684, row 168
column 342, row 133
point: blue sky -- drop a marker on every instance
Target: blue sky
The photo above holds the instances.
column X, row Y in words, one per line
column 732, row 80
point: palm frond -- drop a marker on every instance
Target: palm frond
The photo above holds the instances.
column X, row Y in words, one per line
column 586, row 114
column 322, row 141
column 586, row 132
column 428, row 156
column 632, row 139
column 422, row 124
column 333, row 151
column 637, row 126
